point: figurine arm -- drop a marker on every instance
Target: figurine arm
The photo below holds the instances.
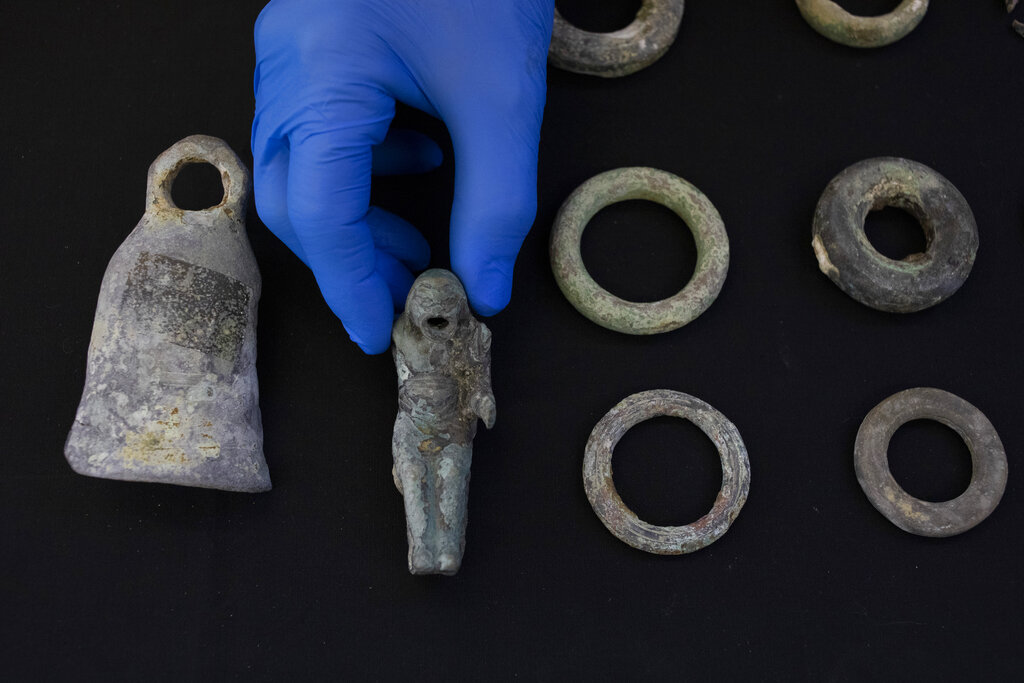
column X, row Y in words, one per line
column 481, row 402
column 482, row 405
column 400, row 334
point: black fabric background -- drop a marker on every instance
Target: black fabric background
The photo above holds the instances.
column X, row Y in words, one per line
column 132, row 581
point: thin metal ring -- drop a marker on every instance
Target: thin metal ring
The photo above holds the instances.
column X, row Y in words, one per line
column 835, row 23
column 632, row 317
column 917, row 281
column 988, row 478
column 621, row 52
column 623, row 522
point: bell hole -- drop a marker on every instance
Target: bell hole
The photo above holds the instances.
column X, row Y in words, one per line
column 197, row 186
column 667, row 471
column 894, row 233
column 868, row 8
column 930, row 461
column 599, row 17
column 438, row 323
column 639, row 251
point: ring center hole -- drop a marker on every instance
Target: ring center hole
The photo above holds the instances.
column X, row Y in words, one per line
column 868, row 8
column 894, row 233
column 667, row 471
column 599, row 17
column 197, row 186
column 639, row 251
column 930, row 461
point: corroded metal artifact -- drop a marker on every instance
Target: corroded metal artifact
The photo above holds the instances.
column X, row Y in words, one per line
column 623, row 522
column 170, row 389
column 443, row 357
column 988, row 478
column 832, row 21
column 632, row 317
column 621, row 52
column 917, row 281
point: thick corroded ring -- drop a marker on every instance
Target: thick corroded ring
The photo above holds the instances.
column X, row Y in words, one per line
column 988, row 478
column 917, row 281
column 835, row 23
column 632, row 317
column 621, row 52
column 620, row 520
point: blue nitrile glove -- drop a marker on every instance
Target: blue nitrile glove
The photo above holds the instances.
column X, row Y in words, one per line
column 328, row 73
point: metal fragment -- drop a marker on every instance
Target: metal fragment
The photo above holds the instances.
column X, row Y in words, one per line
column 1018, row 27
column 912, row 283
column 618, row 53
column 443, row 357
column 623, row 522
column 171, row 392
column 603, row 307
column 988, row 479
column 1011, row 5
column 835, row 23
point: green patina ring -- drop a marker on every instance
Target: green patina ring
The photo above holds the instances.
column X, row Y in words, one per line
column 918, row 281
column 623, row 522
column 632, row 317
column 621, row 52
column 835, row 23
column 988, row 477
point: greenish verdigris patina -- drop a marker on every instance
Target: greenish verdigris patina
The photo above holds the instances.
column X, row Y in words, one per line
column 618, row 53
column 988, row 477
column 918, row 281
column 171, row 393
column 623, row 522
column 632, row 317
column 443, row 358
column 835, row 23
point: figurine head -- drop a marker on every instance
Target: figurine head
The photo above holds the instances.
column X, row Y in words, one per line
column 437, row 304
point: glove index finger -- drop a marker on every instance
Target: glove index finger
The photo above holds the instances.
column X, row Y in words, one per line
column 495, row 202
column 328, row 200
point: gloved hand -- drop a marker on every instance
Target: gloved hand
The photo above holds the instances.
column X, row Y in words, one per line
column 328, row 73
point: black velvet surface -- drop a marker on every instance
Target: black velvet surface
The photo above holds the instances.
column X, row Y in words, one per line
column 131, row 581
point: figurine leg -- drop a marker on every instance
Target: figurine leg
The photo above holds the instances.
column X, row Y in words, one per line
column 453, row 495
column 415, row 483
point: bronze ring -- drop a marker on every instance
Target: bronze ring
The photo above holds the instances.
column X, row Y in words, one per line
column 632, row 317
column 623, row 522
column 917, row 281
column 621, row 52
column 832, row 21
column 988, row 478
